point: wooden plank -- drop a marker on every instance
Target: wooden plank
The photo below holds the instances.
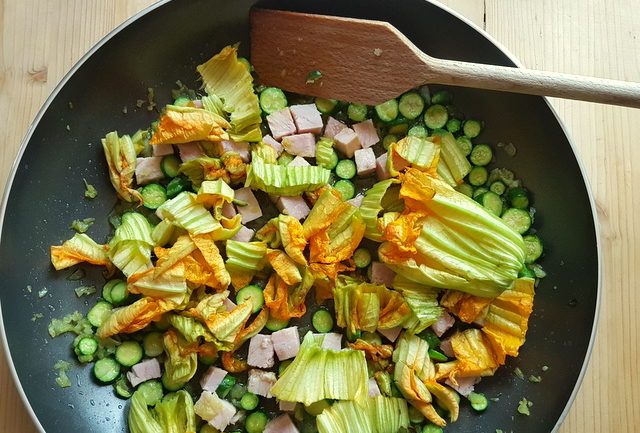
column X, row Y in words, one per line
column 39, row 41
column 579, row 37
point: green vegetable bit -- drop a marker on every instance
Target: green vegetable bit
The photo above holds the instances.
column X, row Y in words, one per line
column 518, row 373
column 62, row 367
column 523, row 406
column 85, row 290
column 90, row 191
column 535, row 379
column 313, row 76
column 478, row 401
column 81, row 226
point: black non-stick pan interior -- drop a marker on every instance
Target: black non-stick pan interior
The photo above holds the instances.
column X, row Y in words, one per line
column 165, row 45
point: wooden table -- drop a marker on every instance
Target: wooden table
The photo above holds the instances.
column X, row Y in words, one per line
column 41, row 40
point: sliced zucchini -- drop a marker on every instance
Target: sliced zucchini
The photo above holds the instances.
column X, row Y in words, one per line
column 254, row 293
column 170, row 165
column 518, row 220
column 106, row 370
column 387, row 111
column 99, row 313
column 129, row 353
column 272, row 99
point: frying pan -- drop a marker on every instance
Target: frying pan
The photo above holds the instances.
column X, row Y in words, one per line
column 163, row 44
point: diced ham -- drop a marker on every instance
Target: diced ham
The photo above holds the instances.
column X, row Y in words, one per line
column 214, row 410
column 381, row 167
column 245, row 234
column 148, row 170
column 228, row 210
column 381, row 274
column 374, row 391
column 347, row 142
column 294, row 206
column 281, row 424
column 162, row 149
column 391, row 333
column 444, row 323
column 300, row 144
column 229, row 304
column 281, row 123
column 260, row 382
column 143, row 371
column 286, row 406
column 447, row 348
column 238, row 416
column 307, row 118
column 333, row 127
column 356, row 201
column 332, row 340
column 367, row 133
column 252, row 210
column 212, row 378
column 261, row 351
column 275, row 144
column 465, row 385
column 189, row 151
column 286, row 342
column 239, row 147
column 197, row 103
column 298, row 161
column 365, row 161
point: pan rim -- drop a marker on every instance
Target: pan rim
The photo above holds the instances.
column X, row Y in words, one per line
column 54, row 93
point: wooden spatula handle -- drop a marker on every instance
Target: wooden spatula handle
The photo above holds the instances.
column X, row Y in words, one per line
column 520, row 80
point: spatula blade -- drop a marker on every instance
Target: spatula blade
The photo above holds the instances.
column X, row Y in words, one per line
column 348, row 59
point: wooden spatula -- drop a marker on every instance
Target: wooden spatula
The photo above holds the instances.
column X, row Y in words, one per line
column 371, row 62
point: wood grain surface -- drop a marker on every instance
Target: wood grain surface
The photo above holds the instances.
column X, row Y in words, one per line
column 41, row 40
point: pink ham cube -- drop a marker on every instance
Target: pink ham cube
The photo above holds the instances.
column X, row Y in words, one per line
column 300, row 144
column 212, row 378
column 189, row 151
column 229, row 304
column 240, row 147
column 465, row 385
column 294, row 206
column 281, row 123
column 382, row 172
column 286, row 406
column 252, row 210
column 365, row 161
column 381, row 274
column 286, row 342
column 275, row 144
column 447, row 348
column 367, row 133
column 374, row 391
column 162, row 149
column 333, row 127
column 391, row 333
column 261, row 351
column 260, row 382
column 281, row 424
column 298, row 161
column 228, row 210
column 245, row 234
column 356, row 201
column 444, row 323
column 143, row 371
column 148, row 170
column 332, row 341
column 347, row 142
column 216, row 411
column 307, row 118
